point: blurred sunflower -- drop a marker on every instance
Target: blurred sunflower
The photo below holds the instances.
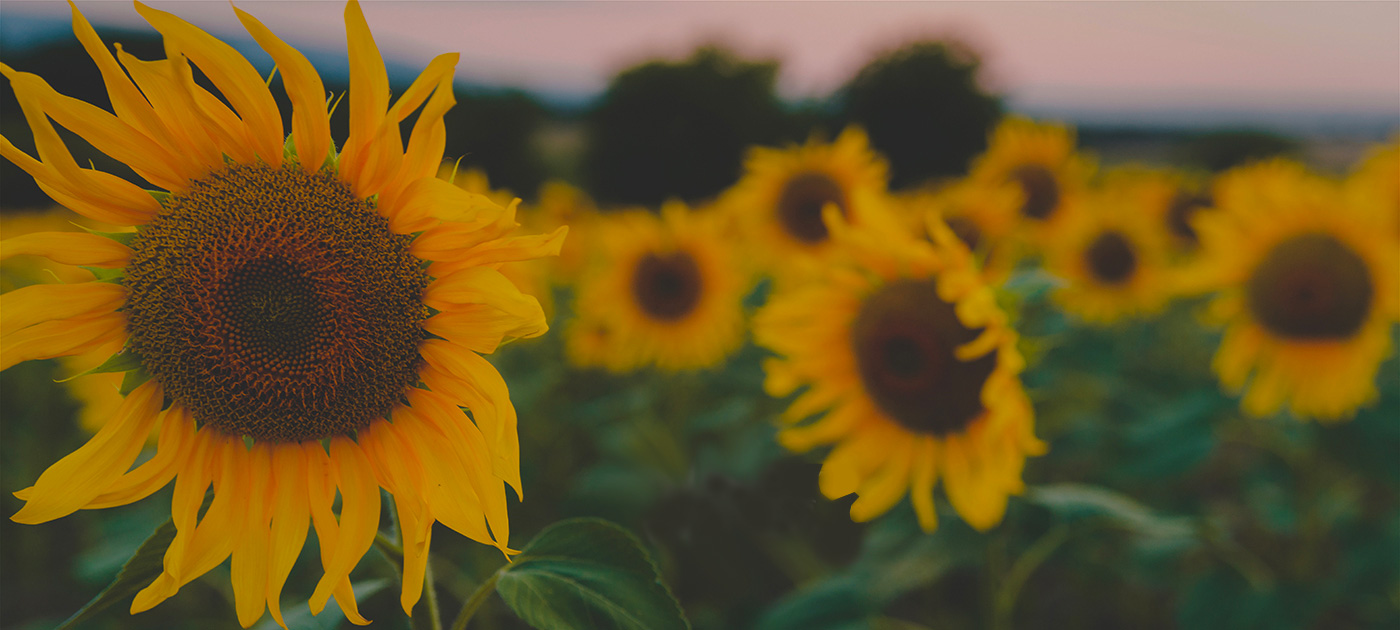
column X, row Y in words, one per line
column 778, row 203
column 1112, row 251
column 1041, row 160
column 1377, row 180
column 274, row 305
column 982, row 216
column 1309, row 288
column 667, row 291
column 903, row 351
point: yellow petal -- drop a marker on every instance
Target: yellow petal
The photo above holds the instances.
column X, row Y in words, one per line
column 86, row 195
column 76, row 479
column 36, row 303
column 59, row 338
column 359, row 515
column 235, row 78
column 465, row 449
column 311, row 124
column 68, row 248
column 483, row 285
column 291, row 516
column 921, row 487
column 177, row 432
column 884, row 489
column 249, row 569
column 194, row 134
column 369, row 97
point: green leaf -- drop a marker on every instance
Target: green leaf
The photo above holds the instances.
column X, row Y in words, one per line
column 1078, row 500
column 144, row 567
column 588, row 574
column 300, row 617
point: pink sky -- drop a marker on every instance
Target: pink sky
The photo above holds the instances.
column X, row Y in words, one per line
column 1339, row 55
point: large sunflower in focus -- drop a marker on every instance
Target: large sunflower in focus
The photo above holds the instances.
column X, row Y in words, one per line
column 780, row 198
column 1041, row 161
column 913, row 369
column 298, row 322
column 1112, row 251
column 667, row 291
column 1309, row 289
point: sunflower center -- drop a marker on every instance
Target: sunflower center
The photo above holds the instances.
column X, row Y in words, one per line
column 1111, row 258
column 1184, row 206
column 667, row 286
column 275, row 304
column 904, row 340
column 1038, row 186
column 1311, row 287
column 967, row 231
column 801, row 202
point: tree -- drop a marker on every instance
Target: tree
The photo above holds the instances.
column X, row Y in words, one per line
column 665, row 129
column 923, row 108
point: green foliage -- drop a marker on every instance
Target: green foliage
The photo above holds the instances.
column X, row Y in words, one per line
column 665, row 129
column 924, row 109
column 144, row 567
column 588, row 573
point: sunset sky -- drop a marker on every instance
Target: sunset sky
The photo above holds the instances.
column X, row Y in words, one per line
column 1334, row 56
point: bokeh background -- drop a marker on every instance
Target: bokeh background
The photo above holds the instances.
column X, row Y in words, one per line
column 1234, row 523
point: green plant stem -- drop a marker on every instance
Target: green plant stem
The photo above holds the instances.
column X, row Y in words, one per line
column 1005, row 605
column 389, row 547
column 430, row 594
column 475, row 601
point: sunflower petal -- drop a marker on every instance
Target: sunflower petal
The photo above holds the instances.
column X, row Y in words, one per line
column 75, row 480
column 231, row 73
column 359, row 515
column 59, row 338
column 36, row 303
column 68, row 248
column 311, row 123
column 249, row 569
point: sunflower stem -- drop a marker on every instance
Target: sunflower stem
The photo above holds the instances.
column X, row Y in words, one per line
column 474, row 602
column 1005, row 605
column 430, row 594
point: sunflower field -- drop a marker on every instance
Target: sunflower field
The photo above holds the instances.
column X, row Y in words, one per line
column 277, row 354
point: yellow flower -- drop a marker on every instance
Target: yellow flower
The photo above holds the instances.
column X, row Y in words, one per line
column 1309, row 288
column 297, row 321
column 667, row 292
column 1112, row 251
column 778, row 203
column 1377, row 180
column 1040, row 159
column 913, row 369
column 982, row 215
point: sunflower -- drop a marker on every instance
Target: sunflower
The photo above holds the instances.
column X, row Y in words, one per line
column 779, row 200
column 1309, row 288
column 980, row 214
column 1377, row 180
column 297, row 321
column 1041, row 160
column 913, row 368
column 667, row 291
column 1112, row 251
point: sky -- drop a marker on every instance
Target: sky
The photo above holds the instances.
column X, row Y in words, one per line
column 1326, row 56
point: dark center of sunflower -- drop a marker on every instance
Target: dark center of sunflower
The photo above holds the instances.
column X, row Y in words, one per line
column 904, row 338
column 801, row 202
column 1184, row 206
column 276, row 304
column 667, row 286
column 1111, row 258
column 1039, row 188
column 1311, row 287
column 966, row 230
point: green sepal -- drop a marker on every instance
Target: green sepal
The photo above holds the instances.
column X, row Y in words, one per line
column 135, row 378
column 123, row 361
column 162, row 197
column 102, row 274
column 124, row 238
